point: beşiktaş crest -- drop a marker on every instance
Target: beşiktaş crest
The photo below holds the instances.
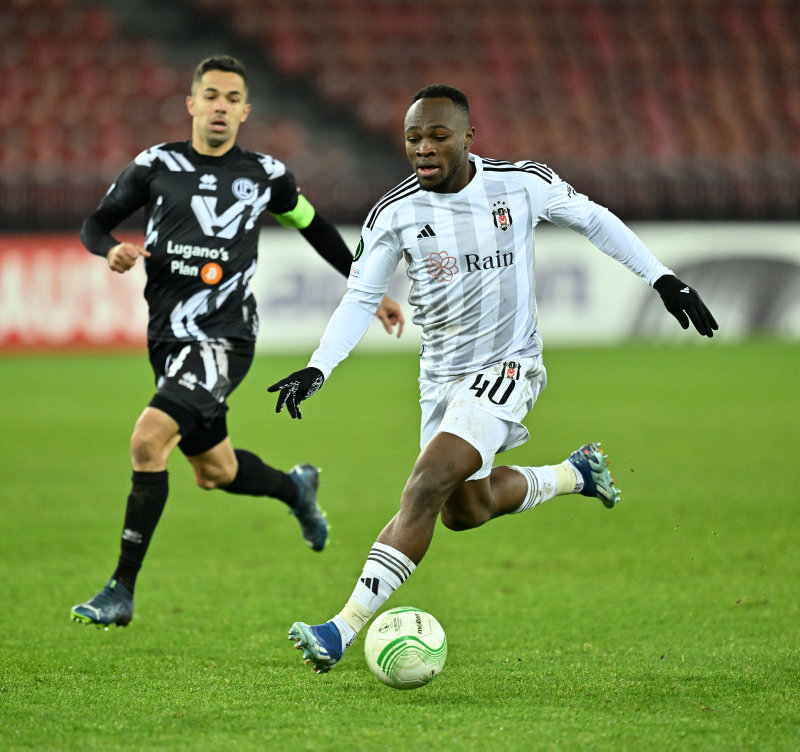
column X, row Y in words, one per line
column 502, row 215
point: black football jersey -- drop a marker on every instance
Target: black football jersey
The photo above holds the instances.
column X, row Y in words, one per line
column 202, row 227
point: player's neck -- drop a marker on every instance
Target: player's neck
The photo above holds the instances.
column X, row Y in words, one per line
column 468, row 173
column 201, row 147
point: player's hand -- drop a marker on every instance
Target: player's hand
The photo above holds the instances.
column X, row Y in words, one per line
column 123, row 256
column 684, row 304
column 295, row 388
column 390, row 315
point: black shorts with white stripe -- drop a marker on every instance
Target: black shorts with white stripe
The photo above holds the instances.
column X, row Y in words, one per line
column 194, row 380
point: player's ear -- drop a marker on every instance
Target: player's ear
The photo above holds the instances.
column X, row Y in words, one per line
column 245, row 112
column 190, row 104
column 469, row 136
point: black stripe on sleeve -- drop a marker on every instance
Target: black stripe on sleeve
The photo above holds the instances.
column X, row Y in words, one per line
column 407, row 188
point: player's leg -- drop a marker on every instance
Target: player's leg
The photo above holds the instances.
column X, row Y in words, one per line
column 441, row 468
column 444, row 463
column 513, row 489
column 460, row 433
column 175, row 410
column 239, row 471
column 218, row 464
column 488, row 492
column 215, row 467
column 489, row 417
column 477, row 501
column 154, row 437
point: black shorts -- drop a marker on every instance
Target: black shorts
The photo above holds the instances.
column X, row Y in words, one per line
column 193, row 381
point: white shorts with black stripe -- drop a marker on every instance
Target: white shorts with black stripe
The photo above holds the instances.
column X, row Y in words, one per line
column 484, row 408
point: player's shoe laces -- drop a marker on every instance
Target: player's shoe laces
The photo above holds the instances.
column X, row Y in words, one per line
column 112, row 605
column 321, row 644
column 592, row 464
column 309, row 515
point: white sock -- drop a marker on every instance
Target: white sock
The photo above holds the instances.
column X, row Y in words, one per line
column 548, row 481
column 385, row 570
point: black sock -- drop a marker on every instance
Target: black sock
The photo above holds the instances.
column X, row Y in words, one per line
column 255, row 478
column 145, row 503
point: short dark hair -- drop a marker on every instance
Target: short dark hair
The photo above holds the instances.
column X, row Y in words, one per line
column 434, row 91
column 225, row 63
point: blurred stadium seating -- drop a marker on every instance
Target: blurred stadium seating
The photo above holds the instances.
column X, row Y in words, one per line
column 660, row 109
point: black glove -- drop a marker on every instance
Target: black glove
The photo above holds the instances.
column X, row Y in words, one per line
column 684, row 303
column 295, row 388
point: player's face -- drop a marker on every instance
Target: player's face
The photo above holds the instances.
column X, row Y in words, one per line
column 438, row 137
column 218, row 106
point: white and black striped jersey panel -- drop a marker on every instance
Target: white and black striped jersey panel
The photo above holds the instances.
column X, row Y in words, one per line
column 273, row 167
column 472, row 275
column 176, row 161
column 411, row 185
column 172, row 159
column 534, row 168
column 201, row 210
column 403, row 190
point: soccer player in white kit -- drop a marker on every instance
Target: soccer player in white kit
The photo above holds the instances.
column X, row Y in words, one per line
column 465, row 227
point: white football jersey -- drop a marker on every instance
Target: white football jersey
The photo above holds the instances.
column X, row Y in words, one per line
column 470, row 258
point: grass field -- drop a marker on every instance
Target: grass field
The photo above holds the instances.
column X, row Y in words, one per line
column 669, row 623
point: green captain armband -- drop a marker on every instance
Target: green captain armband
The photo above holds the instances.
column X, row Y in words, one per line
column 300, row 217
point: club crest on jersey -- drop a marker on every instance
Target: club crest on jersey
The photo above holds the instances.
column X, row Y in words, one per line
column 511, row 370
column 502, row 215
column 441, row 266
column 244, row 189
column 208, row 182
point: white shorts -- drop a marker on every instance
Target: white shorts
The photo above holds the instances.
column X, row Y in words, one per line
column 484, row 408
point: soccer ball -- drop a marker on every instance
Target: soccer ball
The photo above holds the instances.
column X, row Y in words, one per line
column 405, row 647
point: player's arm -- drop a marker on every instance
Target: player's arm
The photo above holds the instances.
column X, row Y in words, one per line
column 375, row 267
column 124, row 197
column 346, row 327
column 325, row 239
column 567, row 208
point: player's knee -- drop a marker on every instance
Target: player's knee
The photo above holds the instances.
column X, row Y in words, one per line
column 210, row 477
column 204, row 482
column 145, row 453
column 430, row 484
column 208, row 481
column 153, row 439
column 463, row 517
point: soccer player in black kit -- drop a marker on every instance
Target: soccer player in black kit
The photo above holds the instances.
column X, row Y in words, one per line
column 203, row 199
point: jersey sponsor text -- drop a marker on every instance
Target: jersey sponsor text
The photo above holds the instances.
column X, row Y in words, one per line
column 187, row 251
column 477, row 263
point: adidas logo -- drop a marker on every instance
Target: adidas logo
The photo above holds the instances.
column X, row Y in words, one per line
column 686, row 290
column 426, row 232
column 373, row 583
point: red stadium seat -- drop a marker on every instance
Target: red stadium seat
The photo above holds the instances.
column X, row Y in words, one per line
column 612, row 93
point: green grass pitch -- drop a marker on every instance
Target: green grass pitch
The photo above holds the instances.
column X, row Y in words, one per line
column 670, row 623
